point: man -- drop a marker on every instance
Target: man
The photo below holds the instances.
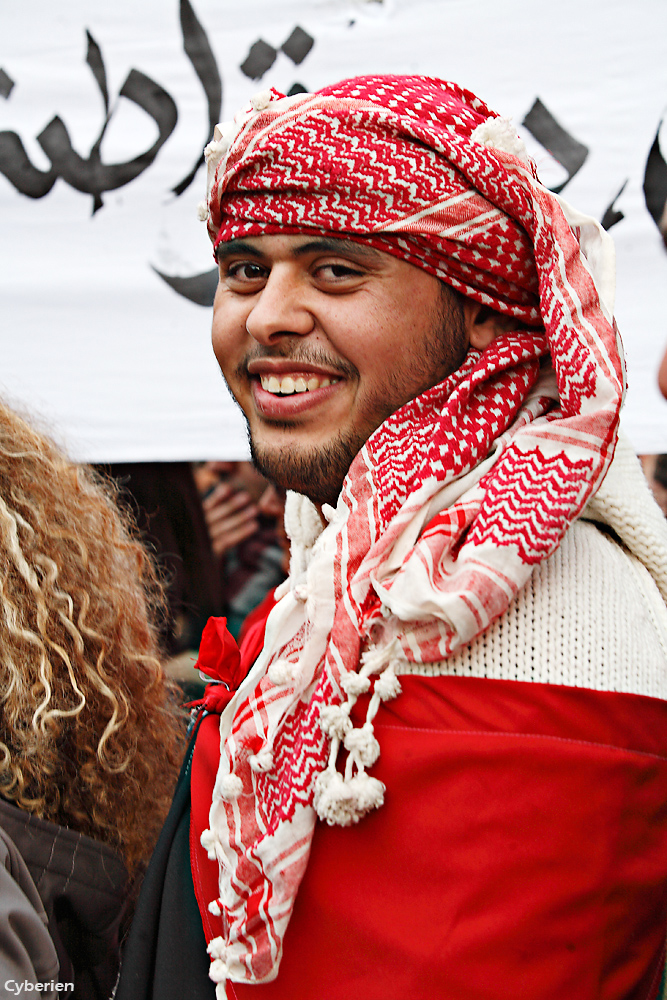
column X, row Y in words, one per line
column 444, row 774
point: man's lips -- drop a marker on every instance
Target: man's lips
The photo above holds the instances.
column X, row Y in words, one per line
column 279, row 396
column 285, row 385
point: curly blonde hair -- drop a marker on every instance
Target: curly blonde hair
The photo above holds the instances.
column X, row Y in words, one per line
column 90, row 733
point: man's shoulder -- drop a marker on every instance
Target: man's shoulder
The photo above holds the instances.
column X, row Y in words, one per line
column 590, row 616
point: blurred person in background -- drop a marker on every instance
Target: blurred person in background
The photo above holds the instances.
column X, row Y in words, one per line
column 214, row 540
column 662, row 370
column 164, row 501
column 655, row 466
column 244, row 516
column 90, row 735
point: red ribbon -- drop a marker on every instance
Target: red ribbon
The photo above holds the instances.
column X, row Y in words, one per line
column 219, row 658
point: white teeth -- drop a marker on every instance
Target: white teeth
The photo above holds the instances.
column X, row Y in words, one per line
column 288, row 385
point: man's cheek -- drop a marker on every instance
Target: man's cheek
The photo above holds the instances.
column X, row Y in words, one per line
column 223, row 348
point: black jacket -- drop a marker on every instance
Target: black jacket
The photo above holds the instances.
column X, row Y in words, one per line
column 83, row 886
column 165, row 955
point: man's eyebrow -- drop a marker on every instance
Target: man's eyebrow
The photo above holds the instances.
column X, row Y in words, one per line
column 234, row 247
column 323, row 244
column 333, row 245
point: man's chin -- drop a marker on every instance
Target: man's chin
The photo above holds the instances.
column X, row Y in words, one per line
column 316, row 472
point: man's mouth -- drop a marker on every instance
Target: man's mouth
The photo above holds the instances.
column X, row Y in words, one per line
column 286, row 385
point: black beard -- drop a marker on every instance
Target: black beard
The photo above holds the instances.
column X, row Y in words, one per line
column 318, row 473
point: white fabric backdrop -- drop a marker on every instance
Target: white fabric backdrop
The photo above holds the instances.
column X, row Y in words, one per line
column 120, row 365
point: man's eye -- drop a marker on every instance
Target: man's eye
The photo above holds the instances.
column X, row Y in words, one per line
column 245, row 271
column 338, row 272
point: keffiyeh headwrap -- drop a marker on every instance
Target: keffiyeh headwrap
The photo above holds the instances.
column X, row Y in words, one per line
column 451, row 502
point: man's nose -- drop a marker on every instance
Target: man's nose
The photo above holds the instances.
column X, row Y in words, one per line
column 281, row 308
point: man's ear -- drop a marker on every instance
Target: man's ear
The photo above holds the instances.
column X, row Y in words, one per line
column 483, row 324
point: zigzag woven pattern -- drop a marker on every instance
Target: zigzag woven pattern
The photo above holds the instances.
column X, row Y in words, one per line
column 451, row 502
column 527, row 498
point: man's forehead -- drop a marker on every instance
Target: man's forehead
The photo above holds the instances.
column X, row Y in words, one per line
column 298, row 246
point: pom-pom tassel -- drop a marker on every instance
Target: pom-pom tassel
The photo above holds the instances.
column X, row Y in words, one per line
column 363, row 744
column 207, row 841
column 262, row 762
column 218, row 970
column 230, row 787
column 387, row 685
column 282, row 673
column 499, row 133
column 341, row 802
column 335, row 720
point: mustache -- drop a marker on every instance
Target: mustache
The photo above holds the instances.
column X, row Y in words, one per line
column 299, row 353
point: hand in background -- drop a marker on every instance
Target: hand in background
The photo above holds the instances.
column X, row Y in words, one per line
column 231, row 516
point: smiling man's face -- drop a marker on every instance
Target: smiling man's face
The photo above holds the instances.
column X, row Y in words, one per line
column 320, row 340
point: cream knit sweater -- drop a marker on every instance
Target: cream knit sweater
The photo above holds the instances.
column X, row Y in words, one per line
column 593, row 614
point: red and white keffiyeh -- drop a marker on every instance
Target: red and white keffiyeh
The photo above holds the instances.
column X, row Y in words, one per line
column 451, row 502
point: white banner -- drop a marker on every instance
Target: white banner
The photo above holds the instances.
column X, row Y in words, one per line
column 104, row 111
